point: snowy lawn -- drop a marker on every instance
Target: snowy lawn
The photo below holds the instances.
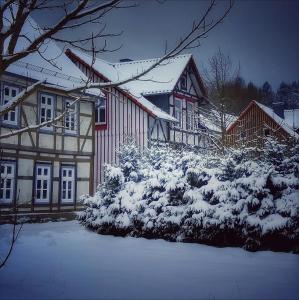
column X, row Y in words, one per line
column 64, row 260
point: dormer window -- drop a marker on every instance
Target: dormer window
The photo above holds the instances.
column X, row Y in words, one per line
column 183, row 82
column 100, row 111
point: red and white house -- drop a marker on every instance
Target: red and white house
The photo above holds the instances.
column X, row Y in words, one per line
column 160, row 106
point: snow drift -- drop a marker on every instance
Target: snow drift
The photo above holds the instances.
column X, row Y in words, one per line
column 237, row 199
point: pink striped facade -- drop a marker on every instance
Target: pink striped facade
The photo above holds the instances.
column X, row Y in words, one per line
column 127, row 118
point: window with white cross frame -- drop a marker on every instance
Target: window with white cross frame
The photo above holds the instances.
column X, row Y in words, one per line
column 43, row 183
column 7, row 181
column 8, row 93
column 67, row 184
column 46, row 109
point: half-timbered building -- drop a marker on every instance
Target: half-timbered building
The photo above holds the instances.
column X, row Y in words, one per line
column 49, row 168
column 160, row 106
column 255, row 124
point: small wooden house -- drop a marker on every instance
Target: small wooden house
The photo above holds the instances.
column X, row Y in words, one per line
column 257, row 122
column 160, row 106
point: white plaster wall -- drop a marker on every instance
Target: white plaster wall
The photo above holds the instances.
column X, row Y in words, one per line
column 25, row 167
column 46, row 141
column 82, row 188
column 56, row 169
column 83, row 169
column 25, row 188
column 87, row 146
column 70, row 143
column 55, row 191
column 84, row 124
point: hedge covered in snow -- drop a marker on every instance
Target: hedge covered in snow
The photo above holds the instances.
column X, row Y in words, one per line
column 236, row 199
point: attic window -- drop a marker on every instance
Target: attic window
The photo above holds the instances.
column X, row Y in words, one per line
column 183, row 82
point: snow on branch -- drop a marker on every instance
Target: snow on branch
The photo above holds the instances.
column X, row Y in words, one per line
column 19, row 98
column 43, row 124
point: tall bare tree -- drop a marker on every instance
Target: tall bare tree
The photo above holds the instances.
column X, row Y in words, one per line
column 220, row 72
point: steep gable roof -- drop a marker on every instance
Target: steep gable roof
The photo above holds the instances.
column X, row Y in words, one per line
column 267, row 110
column 109, row 72
column 162, row 79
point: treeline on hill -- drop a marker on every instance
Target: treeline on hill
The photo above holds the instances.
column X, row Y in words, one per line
column 238, row 94
column 235, row 199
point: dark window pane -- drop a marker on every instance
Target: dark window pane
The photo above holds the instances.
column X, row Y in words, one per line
column 45, row 184
column 69, row 194
column 97, row 115
column 70, row 173
column 9, row 169
column 39, row 184
column 102, row 115
column 44, row 194
column 6, row 91
column 38, row 194
column 2, row 169
column 64, row 173
column 43, row 100
column 1, row 194
column 49, row 101
column 45, row 171
column 39, row 171
column 69, row 185
column 8, row 183
column 12, row 116
column 13, row 93
column 64, row 185
column 63, row 194
column 7, row 196
column 49, row 114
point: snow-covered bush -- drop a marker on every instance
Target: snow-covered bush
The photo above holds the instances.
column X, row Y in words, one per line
column 233, row 199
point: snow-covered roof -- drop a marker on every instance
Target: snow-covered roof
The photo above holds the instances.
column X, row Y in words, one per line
column 113, row 73
column 162, row 79
column 291, row 116
column 281, row 122
column 55, row 68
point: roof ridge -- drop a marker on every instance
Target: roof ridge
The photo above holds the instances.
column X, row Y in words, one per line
column 151, row 59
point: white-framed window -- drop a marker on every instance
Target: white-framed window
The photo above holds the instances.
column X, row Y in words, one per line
column 71, row 118
column 190, row 116
column 68, row 184
column 9, row 92
column 7, row 182
column 43, row 183
column 100, row 111
column 178, row 111
column 46, row 112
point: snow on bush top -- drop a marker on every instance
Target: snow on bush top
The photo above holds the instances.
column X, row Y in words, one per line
column 182, row 195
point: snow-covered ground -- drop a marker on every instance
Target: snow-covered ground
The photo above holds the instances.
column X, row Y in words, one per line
column 64, row 260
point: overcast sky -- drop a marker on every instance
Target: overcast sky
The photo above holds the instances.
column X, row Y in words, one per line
column 262, row 35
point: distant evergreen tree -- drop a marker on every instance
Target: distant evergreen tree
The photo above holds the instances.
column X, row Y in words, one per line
column 267, row 94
